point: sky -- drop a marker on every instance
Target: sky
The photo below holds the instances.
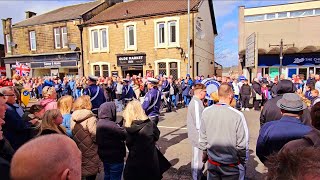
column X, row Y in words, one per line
column 226, row 14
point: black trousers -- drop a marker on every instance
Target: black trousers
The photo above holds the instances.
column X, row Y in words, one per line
column 256, row 104
column 154, row 119
column 245, row 100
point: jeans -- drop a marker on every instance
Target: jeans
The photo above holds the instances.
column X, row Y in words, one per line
column 174, row 100
column 186, row 100
column 113, row 171
column 78, row 93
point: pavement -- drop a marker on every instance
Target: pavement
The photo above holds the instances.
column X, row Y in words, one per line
column 175, row 146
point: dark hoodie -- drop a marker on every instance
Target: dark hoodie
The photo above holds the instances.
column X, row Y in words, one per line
column 272, row 112
column 110, row 136
column 142, row 162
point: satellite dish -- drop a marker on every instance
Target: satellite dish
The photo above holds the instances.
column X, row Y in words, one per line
column 200, row 35
column 72, row 47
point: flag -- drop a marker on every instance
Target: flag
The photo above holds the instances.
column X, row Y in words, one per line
column 22, row 69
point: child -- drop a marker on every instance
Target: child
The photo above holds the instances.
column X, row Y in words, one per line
column 315, row 97
column 265, row 94
column 245, row 93
column 307, row 94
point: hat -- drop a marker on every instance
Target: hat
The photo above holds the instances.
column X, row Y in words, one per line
column 93, row 78
column 165, row 76
column 153, row 81
column 291, row 102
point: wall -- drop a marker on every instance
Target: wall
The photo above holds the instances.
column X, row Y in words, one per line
column 145, row 44
column 204, row 47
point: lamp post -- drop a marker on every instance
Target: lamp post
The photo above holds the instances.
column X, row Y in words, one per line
column 188, row 39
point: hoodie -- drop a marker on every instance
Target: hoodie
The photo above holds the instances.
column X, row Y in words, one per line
column 110, row 136
column 272, row 112
column 312, row 139
column 49, row 104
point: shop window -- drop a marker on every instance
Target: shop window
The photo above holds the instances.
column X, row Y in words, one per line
column 303, row 71
column 96, row 69
column 162, row 68
column 105, row 70
column 174, row 69
column 8, row 43
column 317, row 70
column 33, row 42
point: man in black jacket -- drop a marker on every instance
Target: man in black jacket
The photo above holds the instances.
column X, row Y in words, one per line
column 257, row 94
column 245, row 93
column 271, row 112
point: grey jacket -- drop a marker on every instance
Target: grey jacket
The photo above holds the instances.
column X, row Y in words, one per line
column 194, row 120
column 224, row 134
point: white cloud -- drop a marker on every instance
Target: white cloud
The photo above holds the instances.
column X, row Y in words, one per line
column 227, row 57
column 16, row 9
column 223, row 8
column 229, row 25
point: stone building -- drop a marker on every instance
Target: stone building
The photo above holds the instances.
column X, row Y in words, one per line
column 50, row 44
column 297, row 24
column 150, row 38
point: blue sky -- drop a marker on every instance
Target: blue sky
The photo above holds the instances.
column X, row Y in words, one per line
column 226, row 12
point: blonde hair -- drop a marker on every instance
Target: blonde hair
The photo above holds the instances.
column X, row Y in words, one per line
column 133, row 111
column 48, row 121
column 47, row 91
column 65, row 104
column 83, row 102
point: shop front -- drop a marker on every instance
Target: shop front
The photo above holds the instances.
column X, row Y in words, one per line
column 302, row 64
column 60, row 65
column 131, row 64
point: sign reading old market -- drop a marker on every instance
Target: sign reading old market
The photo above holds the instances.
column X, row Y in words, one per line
column 250, row 50
column 131, row 59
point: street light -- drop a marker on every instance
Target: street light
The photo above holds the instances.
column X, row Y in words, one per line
column 188, row 39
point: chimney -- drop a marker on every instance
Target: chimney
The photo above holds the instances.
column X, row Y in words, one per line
column 30, row 14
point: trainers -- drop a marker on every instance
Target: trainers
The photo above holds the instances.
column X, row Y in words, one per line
column 247, row 109
column 242, row 109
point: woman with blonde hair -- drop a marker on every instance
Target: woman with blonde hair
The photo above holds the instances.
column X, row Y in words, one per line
column 50, row 98
column 144, row 161
column 84, row 125
column 65, row 105
column 51, row 122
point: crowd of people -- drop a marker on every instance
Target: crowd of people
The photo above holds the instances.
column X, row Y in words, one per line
column 84, row 111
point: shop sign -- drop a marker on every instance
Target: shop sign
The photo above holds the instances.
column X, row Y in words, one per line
column 250, row 50
column 114, row 73
column 52, row 64
column 290, row 59
column 134, row 59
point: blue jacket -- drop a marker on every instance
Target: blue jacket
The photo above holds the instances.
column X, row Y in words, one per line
column 98, row 100
column 185, row 89
column 16, row 130
column 149, row 100
column 66, row 123
column 165, row 86
column 40, row 88
column 275, row 134
column 127, row 93
column 48, row 83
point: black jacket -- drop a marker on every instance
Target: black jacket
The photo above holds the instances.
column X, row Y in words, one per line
column 272, row 112
column 245, row 90
column 143, row 161
column 110, row 136
column 257, row 88
column 6, row 153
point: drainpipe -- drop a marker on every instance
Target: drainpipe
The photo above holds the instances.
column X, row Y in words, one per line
column 81, row 44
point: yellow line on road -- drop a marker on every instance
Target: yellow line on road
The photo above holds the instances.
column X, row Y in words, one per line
column 168, row 127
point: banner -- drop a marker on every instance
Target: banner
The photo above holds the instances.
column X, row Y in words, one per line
column 22, row 69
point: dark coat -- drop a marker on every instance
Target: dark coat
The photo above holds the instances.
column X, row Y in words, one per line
column 274, row 135
column 143, row 159
column 245, row 90
column 272, row 112
column 110, row 136
column 257, row 88
column 6, row 153
column 312, row 139
column 16, row 130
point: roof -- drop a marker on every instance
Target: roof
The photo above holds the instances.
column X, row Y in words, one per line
column 143, row 8
column 61, row 14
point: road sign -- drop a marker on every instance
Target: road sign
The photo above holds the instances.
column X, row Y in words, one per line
column 250, row 50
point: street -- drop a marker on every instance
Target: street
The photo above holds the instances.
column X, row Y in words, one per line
column 175, row 145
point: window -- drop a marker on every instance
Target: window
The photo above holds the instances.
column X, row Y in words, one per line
column 271, row 16
column 104, row 43
column 96, row 69
column 301, row 13
column 282, row 14
column 167, row 32
column 174, row 70
column 95, row 39
column 254, row 18
column 161, row 38
column 162, row 68
column 105, row 70
column 317, row 11
column 99, row 40
column 33, row 42
column 130, row 36
column 64, row 37
column 57, row 38
column 172, row 32
column 8, row 43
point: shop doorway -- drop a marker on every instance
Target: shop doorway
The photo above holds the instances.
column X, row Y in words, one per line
column 132, row 70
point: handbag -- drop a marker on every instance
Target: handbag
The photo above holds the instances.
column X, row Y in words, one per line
column 258, row 96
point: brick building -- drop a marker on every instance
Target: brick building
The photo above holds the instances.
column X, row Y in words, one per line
column 50, row 44
column 150, row 37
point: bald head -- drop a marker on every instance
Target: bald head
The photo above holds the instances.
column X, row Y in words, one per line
column 47, row 157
